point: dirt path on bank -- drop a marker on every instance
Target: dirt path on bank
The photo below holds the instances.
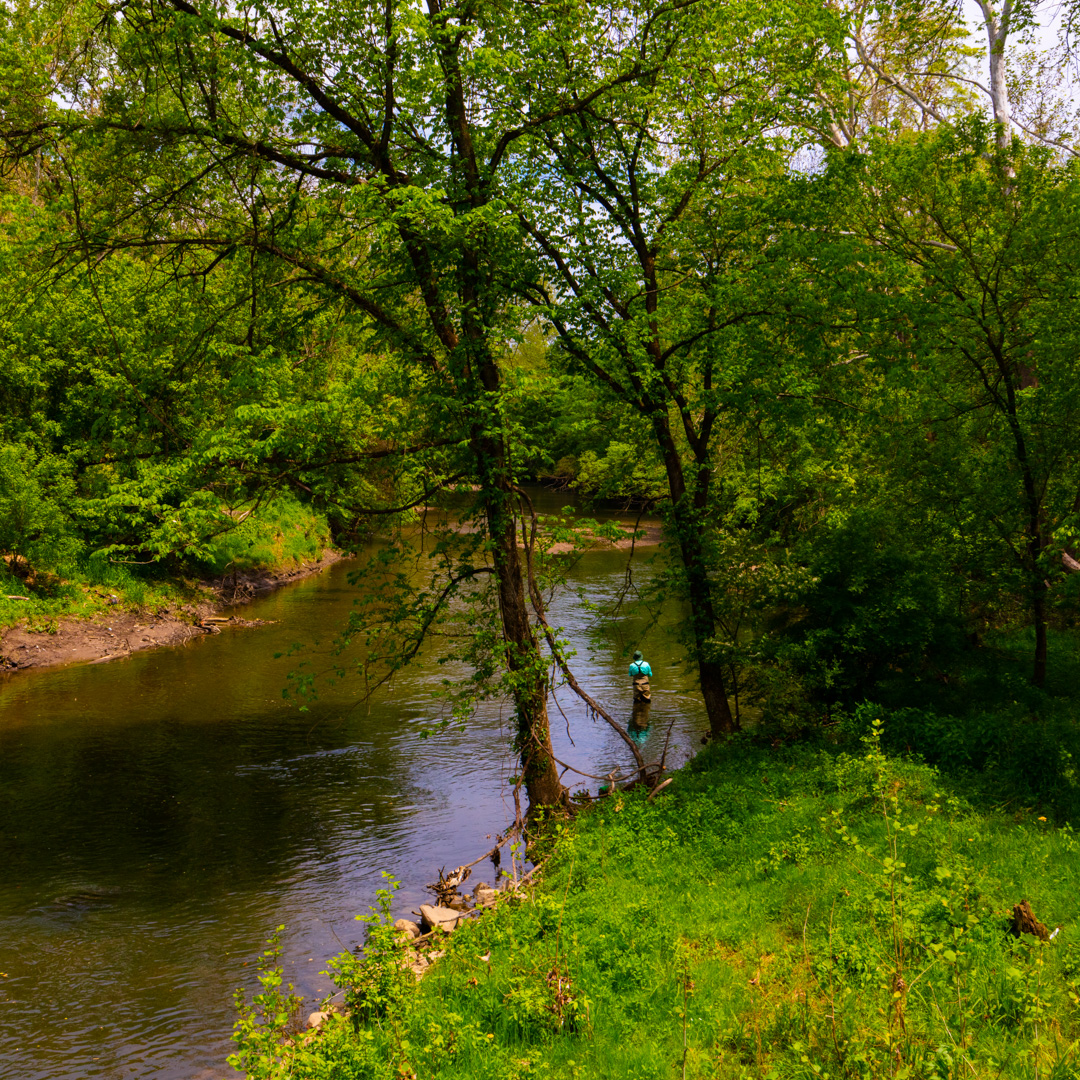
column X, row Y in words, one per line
column 118, row 632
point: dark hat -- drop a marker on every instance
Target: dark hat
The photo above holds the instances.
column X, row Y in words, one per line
column 638, row 656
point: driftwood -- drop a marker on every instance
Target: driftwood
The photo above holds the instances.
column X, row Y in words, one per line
column 1024, row 922
column 446, row 888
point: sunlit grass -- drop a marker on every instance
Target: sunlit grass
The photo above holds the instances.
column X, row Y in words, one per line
column 758, row 902
column 282, row 533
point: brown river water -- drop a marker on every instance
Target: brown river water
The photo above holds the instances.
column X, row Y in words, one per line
column 160, row 815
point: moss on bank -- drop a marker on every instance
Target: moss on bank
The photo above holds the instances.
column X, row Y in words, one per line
column 778, row 913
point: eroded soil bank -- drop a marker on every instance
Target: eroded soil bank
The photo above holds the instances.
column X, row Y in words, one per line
column 116, row 632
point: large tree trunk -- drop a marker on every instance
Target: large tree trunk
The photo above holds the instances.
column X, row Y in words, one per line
column 528, row 669
column 689, row 524
column 703, row 620
column 689, row 521
column 997, row 34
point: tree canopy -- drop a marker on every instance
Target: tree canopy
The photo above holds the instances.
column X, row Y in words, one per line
column 778, row 271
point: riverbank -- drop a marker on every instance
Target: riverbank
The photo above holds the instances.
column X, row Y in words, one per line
column 236, row 810
column 108, row 629
column 777, row 912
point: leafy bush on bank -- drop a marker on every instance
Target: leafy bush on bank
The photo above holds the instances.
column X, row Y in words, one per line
column 73, row 579
column 790, row 913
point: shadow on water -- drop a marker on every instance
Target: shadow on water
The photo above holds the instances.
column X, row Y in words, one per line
column 160, row 815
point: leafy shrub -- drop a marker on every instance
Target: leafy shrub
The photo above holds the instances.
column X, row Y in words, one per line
column 1030, row 754
column 873, row 604
column 282, row 531
column 377, row 982
column 34, row 529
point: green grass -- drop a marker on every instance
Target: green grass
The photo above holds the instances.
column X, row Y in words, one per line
column 811, row 914
column 91, row 586
column 281, row 534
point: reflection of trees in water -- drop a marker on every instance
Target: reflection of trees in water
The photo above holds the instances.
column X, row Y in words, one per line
column 639, row 720
column 205, row 807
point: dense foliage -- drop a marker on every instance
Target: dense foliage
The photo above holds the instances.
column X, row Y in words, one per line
column 724, row 261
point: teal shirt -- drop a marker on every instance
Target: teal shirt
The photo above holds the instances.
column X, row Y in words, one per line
column 637, row 670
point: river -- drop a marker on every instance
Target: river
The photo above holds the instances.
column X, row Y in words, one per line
column 161, row 814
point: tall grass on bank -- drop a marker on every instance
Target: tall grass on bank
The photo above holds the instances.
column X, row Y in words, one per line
column 284, row 533
column 787, row 913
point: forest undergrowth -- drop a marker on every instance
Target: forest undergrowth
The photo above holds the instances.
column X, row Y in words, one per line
column 791, row 911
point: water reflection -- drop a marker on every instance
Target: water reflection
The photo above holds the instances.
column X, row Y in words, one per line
column 161, row 814
column 639, row 721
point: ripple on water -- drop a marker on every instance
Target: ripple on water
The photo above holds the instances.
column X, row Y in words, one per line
column 161, row 815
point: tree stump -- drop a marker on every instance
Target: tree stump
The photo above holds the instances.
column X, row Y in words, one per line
column 1024, row 922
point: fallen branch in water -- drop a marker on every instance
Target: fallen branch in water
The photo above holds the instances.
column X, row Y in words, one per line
column 553, row 645
column 615, row 776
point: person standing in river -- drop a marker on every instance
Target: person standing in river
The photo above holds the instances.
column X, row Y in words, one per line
column 640, row 672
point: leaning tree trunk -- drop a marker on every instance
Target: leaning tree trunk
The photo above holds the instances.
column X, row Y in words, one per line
column 689, row 523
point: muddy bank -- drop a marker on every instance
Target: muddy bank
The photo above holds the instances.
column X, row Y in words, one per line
column 117, row 632
column 650, row 535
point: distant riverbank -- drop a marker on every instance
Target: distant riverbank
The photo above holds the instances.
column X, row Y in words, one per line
column 110, row 630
